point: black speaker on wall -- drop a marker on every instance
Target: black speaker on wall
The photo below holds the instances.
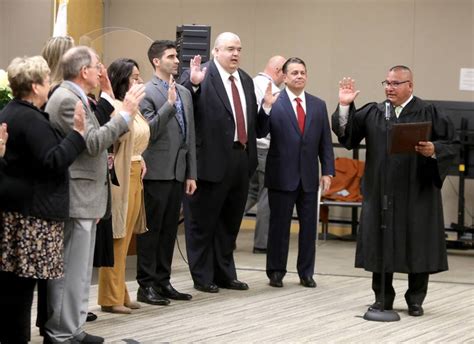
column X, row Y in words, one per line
column 192, row 40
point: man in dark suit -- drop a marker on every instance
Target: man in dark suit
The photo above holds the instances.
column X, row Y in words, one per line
column 225, row 112
column 171, row 170
column 299, row 127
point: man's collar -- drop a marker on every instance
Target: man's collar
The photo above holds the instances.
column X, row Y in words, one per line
column 292, row 96
column 406, row 102
column 225, row 74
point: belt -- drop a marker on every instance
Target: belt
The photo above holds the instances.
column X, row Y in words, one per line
column 239, row 146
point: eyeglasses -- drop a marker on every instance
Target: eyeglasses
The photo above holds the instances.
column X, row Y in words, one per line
column 394, row 84
column 97, row 66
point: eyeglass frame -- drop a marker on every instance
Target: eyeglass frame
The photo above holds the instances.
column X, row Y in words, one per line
column 394, row 84
column 98, row 66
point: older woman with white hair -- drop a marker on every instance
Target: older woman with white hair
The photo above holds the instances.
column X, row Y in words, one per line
column 34, row 194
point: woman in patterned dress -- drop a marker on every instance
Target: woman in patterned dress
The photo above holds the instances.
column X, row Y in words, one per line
column 34, row 193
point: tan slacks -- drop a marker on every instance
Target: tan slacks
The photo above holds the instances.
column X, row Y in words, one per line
column 112, row 288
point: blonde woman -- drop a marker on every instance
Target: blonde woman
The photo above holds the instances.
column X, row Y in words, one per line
column 52, row 52
column 128, row 211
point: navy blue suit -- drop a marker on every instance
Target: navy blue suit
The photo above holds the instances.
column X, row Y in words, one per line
column 292, row 177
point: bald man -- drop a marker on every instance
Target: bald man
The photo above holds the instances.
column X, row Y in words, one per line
column 225, row 112
column 258, row 193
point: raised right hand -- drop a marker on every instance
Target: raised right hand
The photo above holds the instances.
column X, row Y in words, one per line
column 269, row 98
column 172, row 90
column 347, row 92
column 79, row 118
column 133, row 98
column 196, row 75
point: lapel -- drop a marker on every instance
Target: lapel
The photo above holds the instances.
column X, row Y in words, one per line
column 87, row 108
column 288, row 110
column 310, row 112
column 218, row 85
column 248, row 96
column 159, row 87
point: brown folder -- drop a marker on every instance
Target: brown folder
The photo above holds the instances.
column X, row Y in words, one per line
column 405, row 136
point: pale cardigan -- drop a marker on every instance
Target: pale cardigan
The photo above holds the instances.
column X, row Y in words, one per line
column 122, row 161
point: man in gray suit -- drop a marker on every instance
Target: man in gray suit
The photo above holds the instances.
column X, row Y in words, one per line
column 171, row 170
column 68, row 296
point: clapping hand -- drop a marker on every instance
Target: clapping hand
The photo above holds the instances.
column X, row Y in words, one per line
column 3, row 139
column 133, row 98
column 79, row 119
column 347, row 92
column 196, row 75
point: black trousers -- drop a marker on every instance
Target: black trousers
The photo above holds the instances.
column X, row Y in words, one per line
column 16, row 300
column 155, row 248
column 281, row 212
column 215, row 215
column 416, row 293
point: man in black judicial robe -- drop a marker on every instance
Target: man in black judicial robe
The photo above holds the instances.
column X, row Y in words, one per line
column 414, row 238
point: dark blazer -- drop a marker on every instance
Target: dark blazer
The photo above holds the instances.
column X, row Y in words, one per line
column 168, row 156
column 292, row 156
column 215, row 125
column 35, row 179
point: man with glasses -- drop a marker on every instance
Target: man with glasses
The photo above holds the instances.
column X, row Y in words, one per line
column 414, row 237
column 68, row 296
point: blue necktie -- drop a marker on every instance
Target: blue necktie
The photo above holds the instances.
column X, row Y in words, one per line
column 179, row 109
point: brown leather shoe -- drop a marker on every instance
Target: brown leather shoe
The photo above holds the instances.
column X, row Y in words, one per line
column 116, row 309
column 133, row 305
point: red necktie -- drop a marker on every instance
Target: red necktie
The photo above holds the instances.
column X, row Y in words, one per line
column 300, row 113
column 239, row 113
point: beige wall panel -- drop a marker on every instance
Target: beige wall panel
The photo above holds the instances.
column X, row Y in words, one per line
column 25, row 25
column 443, row 43
column 336, row 38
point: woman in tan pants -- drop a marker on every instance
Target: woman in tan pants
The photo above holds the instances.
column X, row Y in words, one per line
column 128, row 211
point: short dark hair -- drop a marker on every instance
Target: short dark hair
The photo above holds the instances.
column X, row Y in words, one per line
column 157, row 49
column 119, row 73
column 290, row 61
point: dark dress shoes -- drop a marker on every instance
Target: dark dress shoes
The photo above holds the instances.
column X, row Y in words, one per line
column 258, row 250
column 308, row 282
column 91, row 316
column 169, row 292
column 234, row 284
column 415, row 310
column 150, row 296
column 89, row 338
column 207, row 288
column 276, row 279
column 377, row 306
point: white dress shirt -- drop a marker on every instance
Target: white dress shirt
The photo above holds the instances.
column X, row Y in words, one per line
column 292, row 97
column 228, row 88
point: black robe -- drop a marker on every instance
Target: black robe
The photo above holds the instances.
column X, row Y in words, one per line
column 415, row 237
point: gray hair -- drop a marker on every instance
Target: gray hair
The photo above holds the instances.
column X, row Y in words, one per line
column 23, row 72
column 74, row 60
